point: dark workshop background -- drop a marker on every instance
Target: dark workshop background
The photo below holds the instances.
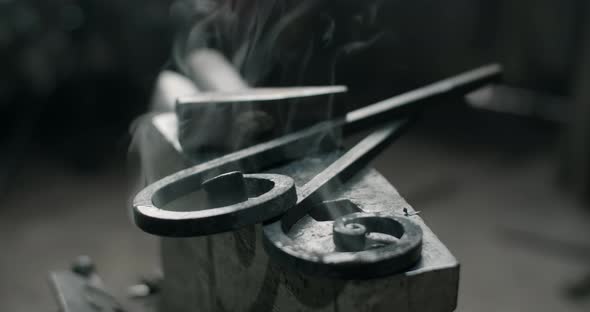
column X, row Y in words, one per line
column 507, row 193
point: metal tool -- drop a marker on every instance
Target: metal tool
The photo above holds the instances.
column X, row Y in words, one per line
column 349, row 231
column 225, row 114
column 151, row 217
column 266, row 195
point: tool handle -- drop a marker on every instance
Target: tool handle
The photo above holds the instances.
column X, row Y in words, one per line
column 417, row 99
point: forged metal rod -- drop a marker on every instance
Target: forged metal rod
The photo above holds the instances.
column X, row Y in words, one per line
column 348, row 164
column 295, row 145
column 226, row 114
column 384, row 260
column 457, row 85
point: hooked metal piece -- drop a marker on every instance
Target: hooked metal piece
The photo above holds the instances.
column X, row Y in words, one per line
column 266, row 196
column 81, row 290
column 353, row 251
column 236, row 200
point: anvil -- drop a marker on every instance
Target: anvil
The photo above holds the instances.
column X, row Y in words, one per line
column 233, row 272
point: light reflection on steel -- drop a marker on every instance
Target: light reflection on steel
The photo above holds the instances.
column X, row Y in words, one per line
column 259, row 94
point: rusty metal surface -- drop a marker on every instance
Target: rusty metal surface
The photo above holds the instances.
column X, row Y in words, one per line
column 81, row 289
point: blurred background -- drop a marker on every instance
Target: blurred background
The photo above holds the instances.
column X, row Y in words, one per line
column 502, row 178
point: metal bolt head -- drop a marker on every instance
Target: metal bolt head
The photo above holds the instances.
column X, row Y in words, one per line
column 84, row 266
column 350, row 236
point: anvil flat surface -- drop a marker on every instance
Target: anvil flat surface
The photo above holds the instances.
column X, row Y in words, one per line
column 232, row 272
